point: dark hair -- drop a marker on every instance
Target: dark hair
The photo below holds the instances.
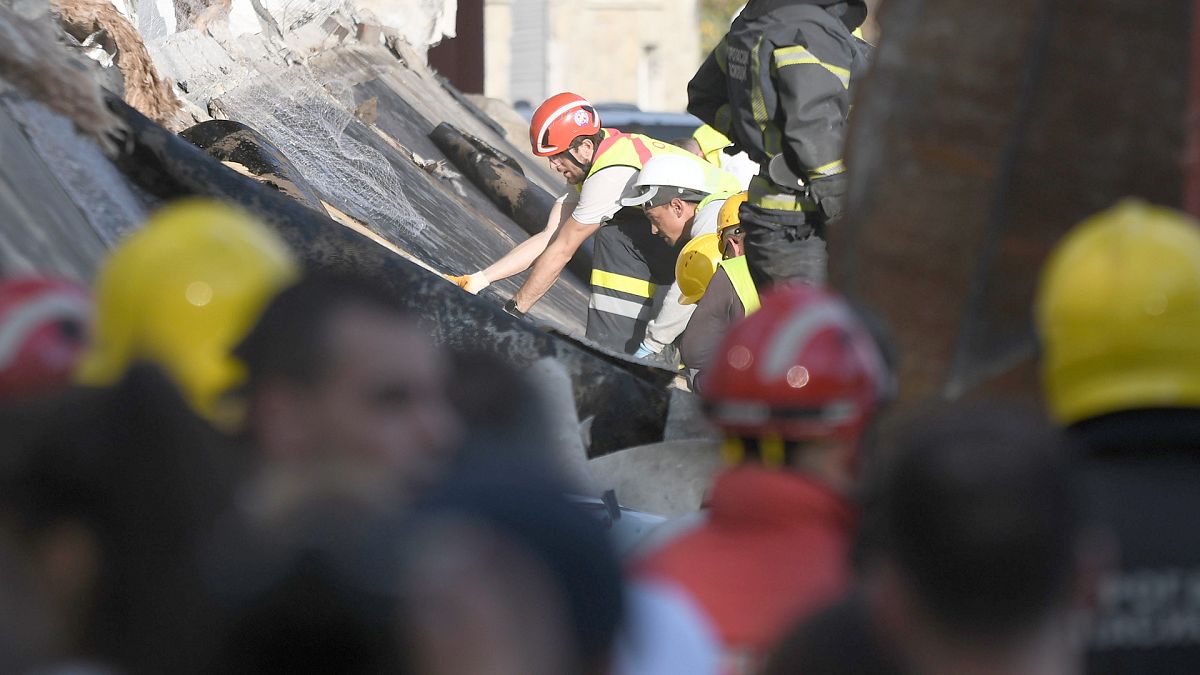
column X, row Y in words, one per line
column 289, row 341
column 977, row 508
column 688, row 143
column 524, row 502
column 595, row 138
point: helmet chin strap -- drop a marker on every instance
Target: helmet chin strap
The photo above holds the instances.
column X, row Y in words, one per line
column 582, row 167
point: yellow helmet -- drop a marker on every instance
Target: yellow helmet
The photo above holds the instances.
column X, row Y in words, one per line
column 727, row 217
column 1118, row 314
column 181, row 293
column 695, row 266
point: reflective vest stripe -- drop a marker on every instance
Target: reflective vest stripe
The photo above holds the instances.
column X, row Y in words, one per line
column 765, row 194
column 794, row 56
column 639, row 146
column 743, row 283
column 831, row 169
column 758, row 105
column 626, row 308
column 622, row 283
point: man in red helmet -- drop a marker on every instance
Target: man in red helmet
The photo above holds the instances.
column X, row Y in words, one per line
column 792, row 387
column 630, row 264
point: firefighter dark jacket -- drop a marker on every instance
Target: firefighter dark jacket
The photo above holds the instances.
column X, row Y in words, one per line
column 779, row 82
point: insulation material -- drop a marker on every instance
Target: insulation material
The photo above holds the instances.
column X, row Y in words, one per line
column 34, row 62
column 308, row 124
column 145, row 90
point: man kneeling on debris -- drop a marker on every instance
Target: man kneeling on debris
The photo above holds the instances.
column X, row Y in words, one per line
column 630, row 263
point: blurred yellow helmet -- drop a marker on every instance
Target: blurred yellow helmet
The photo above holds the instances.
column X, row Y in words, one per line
column 695, row 266
column 181, row 293
column 1118, row 314
column 727, row 217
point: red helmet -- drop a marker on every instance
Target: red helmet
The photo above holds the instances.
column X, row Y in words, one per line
column 802, row 367
column 559, row 120
column 43, row 331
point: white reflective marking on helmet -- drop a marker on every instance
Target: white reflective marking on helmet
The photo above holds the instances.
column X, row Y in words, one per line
column 29, row 316
column 797, row 330
column 550, row 120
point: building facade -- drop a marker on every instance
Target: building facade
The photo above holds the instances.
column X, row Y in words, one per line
column 641, row 52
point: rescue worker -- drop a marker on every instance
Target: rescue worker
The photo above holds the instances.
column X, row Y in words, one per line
column 729, row 295
column 778, row 85
column 682, row 199
column 181, row 293
column 1118, row 318
column 793, row 390
column 630, row 264
column 43, row 333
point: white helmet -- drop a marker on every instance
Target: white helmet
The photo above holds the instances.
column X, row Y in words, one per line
column 686, row 173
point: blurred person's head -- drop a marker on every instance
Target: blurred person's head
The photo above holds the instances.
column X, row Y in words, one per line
column 107, row 494
column 181, row 293
column 506, row 575
column 980, row 558
column 43, row 332
column 1118, row 314
column 795, row 385
column 339, row 370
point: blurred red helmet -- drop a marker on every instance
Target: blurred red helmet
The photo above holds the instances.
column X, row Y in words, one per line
column 43, row 331
column 559, row 120
column 804, row 366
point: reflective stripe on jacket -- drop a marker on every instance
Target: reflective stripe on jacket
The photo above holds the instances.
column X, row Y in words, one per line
column 779, row 82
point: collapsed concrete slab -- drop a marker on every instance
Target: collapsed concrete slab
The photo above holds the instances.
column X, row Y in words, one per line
column 353, row 122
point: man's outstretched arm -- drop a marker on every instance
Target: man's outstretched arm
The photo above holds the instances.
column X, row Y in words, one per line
column 569, row 237
column 519, row 258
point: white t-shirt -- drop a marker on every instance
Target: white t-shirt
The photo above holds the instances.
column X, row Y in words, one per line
column 601, row 196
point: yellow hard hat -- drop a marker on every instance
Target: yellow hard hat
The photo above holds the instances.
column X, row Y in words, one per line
column 1118, row 314
column 727, row 217
column 181, row 293
column 695, row 267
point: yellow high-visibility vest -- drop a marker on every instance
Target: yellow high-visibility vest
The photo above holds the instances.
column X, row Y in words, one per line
column 743, row 284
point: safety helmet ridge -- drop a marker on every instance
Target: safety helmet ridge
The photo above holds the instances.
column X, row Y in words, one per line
column 1118, row 314
column 728, row 216
column 695, row 267
column 181, row 293
column 802, row 367
column 686, row 172
column 559, row 120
